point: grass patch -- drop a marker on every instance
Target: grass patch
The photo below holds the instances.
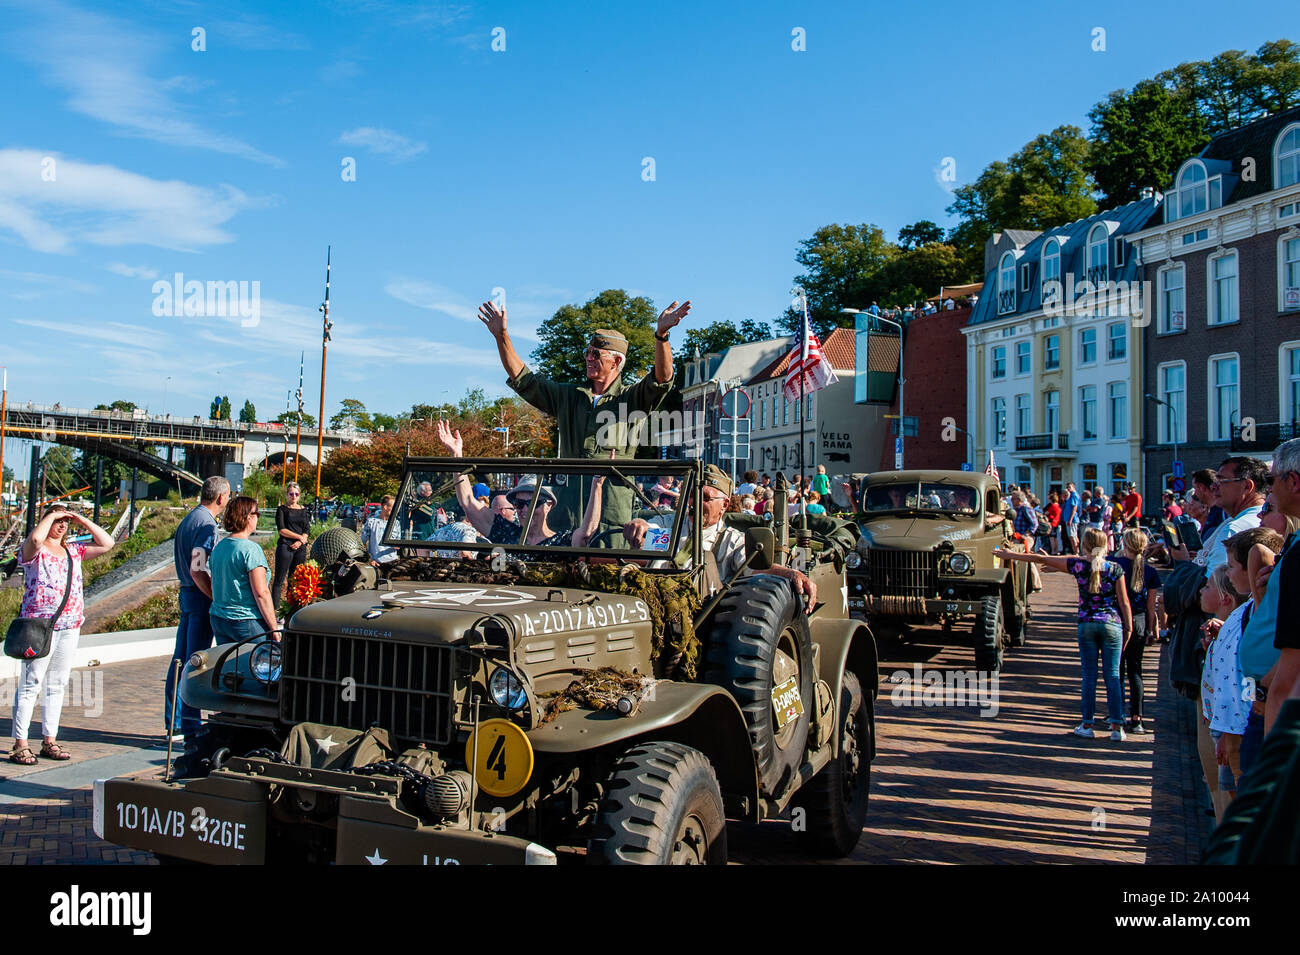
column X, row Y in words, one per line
column 158, row 524
column 161, row 610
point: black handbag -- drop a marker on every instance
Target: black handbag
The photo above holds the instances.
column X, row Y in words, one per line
column 29, row 638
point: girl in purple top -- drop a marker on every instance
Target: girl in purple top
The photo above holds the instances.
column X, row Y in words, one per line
column 1105, row 623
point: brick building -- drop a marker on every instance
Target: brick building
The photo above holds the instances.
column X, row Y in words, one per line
column 1222, row 262
column 934, row 373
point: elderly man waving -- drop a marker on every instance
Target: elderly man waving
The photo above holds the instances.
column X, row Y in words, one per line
column 589, row 416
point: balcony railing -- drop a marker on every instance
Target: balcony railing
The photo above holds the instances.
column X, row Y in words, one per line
column 1006, row 301
column 1267, row 436
column 1043, row 443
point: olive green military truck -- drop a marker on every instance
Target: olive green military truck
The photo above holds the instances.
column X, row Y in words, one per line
column 925, row 556
column 530, row 692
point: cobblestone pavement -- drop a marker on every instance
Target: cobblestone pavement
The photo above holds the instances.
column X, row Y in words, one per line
column 948, row 786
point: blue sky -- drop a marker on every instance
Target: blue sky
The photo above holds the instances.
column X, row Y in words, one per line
column 478, row 169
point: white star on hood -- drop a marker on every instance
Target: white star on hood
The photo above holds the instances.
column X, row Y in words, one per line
column 375, row 859
column 326, row 744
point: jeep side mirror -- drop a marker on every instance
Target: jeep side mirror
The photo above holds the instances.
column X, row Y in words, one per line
column 760, row 546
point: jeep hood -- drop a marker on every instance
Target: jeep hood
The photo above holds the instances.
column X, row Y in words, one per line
column 914, row 533
column 420, row 612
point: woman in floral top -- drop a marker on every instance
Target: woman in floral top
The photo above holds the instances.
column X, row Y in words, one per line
column 1105, row 623
column 44, row 559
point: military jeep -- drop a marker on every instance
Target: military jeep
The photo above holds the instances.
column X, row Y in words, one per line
column 491, row 700
column 925, row 556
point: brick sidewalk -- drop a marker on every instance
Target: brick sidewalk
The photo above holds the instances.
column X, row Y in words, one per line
column 947, row 786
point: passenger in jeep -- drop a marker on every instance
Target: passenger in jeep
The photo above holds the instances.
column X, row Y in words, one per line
column 727, row 543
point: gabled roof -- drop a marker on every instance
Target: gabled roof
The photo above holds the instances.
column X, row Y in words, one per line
column 839, row 349
column 1021, row 237
column 1074, row 239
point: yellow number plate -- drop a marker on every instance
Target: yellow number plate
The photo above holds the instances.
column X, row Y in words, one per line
column 505, row 757
column 786, row 702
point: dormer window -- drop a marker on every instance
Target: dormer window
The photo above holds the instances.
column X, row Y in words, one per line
column 1051, row 268
column 1007, row 284
column 1288, row 157
column 1097, row 241
column 1193, row 194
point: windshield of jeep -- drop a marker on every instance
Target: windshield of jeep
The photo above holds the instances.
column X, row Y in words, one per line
column 471, row 507
column 922, row 496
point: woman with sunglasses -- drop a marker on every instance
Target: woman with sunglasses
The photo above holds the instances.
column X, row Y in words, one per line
column 241, row 600
column 44, row 558
column 294, row 523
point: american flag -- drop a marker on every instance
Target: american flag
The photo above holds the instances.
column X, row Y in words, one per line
column 992, row 469
column 809, row 370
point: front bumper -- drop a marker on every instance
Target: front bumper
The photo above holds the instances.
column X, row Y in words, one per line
column 223, row 820
column 875, row 605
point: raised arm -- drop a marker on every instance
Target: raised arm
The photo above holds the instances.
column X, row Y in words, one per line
column 495, row 319
column 477, row 513
column 591, row 519
column 669, row 317
column 103, row 539
column 36, row 539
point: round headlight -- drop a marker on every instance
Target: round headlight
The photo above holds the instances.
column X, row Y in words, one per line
column 198, row 659
column 960, row 563
column 264, row 661
column 507, row 690
column 853, row 560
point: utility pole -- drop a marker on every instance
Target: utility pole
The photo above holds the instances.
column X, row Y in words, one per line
column 297, row 444
column 130, row 521
column 32, row 479
column 326, row 325
column 284, row 461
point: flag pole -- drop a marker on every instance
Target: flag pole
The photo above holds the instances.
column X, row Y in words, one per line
column 803, row 404
column 324, row 346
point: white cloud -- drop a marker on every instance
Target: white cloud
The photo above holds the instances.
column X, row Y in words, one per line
column 40, row 278
column 393, row 146
column 435, row 298
column 105, row 205
column 133, row 271
column 102, row 67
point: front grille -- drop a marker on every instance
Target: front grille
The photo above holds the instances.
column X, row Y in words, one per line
column 903, row 573
column 406, row 688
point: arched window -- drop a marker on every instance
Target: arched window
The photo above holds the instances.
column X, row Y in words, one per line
column 1288, row 157
column 1051, row 270
column 1097, row 240
column 1007, row 283
column 1193, row 196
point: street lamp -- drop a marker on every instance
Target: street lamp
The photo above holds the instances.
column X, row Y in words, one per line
column 1173, row 430
column 902, row 421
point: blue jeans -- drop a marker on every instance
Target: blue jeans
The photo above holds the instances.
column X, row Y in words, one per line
column 233, row 631
column 192, row 635
column 1251, row 741
column 1108, row 638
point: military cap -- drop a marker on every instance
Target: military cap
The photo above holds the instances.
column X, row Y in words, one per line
column 715, row 477
column 610, row 340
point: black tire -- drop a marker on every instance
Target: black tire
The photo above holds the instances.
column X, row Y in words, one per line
column 757, row 619
column 662, row 806
column 989, row 635
column 835, row 800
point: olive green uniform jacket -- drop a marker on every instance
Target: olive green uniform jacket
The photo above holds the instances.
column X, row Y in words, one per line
column 587, row 428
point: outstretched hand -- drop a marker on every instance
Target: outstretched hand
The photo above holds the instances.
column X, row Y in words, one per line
column 451, row 440
column 673, row 314
column 494, row 318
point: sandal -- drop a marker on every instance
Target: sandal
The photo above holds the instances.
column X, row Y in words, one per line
column 22, row 755
column 54, row 751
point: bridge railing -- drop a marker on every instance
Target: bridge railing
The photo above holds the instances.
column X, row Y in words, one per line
column 145, row 426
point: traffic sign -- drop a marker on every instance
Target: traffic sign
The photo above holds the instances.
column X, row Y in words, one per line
column 1178, row 469
column 898, row 454
column 966, row 466
column 735, row 403
column 1177, row 485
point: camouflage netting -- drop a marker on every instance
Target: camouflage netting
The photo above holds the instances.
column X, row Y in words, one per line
column 672, row 599
column 602, row 689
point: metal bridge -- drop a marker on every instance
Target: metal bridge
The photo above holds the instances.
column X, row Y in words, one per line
column 206, row 446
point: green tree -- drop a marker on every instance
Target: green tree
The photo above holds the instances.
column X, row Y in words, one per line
column 225, row 408
column 1141, row 137
column 119, row 405
column 1274, row 77
column 564, row 336
column 918, row 234
column 290, row 418
column 842, row 269
column 920, row 272
column 1042, row 185
column 248, row 414
column 352, row 414
column 383, row 422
